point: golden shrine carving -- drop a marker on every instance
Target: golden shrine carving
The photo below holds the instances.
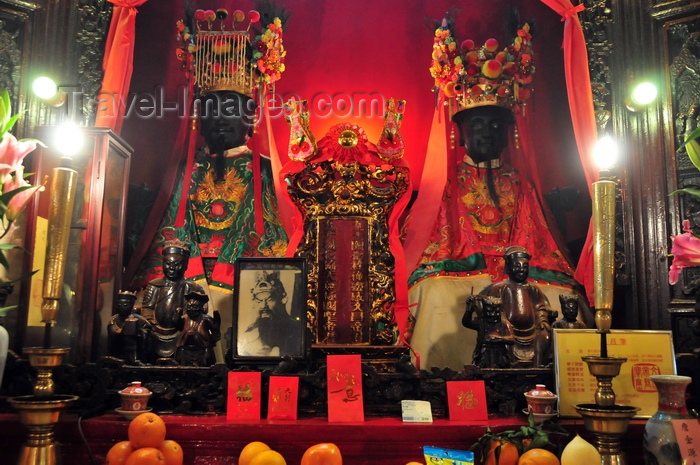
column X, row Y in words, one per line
column 349, row 192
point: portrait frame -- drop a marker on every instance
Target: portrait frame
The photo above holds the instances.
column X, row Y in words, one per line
column 264, row 287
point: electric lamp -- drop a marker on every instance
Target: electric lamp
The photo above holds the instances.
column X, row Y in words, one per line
column 641, row 95
column 47, row 90
column 605, row 419
column 604, row 155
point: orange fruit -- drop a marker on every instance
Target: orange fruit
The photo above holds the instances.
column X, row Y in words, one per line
column 325, row 453
column 118, row 453
column 147, row 430
column 268, row 457
column 145, row 456
column 508, row 454
column 250, row 450
column 172, row 452
column 538, row 457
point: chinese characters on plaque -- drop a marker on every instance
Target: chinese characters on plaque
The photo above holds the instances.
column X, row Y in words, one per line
column 345, row 401
column 467, row 400
column 647, row 352
column 282, row 398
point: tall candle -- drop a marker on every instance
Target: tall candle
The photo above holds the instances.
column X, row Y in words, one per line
column 603, row 250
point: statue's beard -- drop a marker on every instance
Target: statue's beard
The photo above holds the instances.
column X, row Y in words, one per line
column 268, row 330
column 220, row 146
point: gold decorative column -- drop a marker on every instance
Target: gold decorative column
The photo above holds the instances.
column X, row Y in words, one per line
column 605, row 419
column 40, row 412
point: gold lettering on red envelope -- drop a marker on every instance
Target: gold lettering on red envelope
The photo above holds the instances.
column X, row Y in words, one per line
column 282, row 398
column 345, row 401
column 467, row 400
column 243, row 402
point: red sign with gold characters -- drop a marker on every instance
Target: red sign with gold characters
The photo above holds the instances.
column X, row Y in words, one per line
column 283, row 398
column 345, row 401
column 648, row 353
column 467, row 400
column 243, row 401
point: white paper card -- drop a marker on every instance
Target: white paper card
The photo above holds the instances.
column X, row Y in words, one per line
column 416, row 411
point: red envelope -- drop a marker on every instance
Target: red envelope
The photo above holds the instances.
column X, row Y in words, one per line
column 345, row 402
column 243, row 402
column 282, row 398
column 467, row 400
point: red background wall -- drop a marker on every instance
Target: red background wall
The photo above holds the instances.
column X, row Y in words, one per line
column 346, row 48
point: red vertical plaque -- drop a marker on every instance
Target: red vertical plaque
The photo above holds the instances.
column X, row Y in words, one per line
column 345, row 401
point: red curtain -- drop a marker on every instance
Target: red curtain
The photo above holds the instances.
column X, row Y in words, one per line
column 117, row 64
column 578, row 85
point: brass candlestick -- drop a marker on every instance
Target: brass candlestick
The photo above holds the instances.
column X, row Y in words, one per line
column 40, row 412
column 606, row 420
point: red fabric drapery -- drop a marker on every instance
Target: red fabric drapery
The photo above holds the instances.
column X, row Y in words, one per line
column 117, row 64
column 578, row 84
column 432, row 183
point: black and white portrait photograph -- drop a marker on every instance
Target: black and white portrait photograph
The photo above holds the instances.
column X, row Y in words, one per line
column 270, row 307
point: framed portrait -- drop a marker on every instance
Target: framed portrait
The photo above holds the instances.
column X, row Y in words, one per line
column 269, row 309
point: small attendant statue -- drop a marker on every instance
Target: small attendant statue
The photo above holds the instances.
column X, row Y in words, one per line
column 495, row 333
column 569, row 309
column 199, row 332
column 127, row 330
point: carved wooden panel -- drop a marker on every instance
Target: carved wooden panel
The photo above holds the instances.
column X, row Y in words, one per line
column 94, row 17
column 15, row 39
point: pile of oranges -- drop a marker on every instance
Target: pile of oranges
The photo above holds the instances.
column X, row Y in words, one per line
column 146, row 445
column 259, row 453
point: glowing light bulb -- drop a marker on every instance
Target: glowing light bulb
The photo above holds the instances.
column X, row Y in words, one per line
column 644, row 93
column 605, row 153
column 44, row 88
column 68, row 139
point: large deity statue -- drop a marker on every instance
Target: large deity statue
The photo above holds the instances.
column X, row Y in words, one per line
column 455, row 243
column 224, row 204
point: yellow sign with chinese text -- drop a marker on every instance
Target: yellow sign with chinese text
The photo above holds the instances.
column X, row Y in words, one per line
column 647, row 352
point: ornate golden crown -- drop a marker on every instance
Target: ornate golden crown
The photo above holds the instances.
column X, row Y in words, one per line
column 219, row 58
column 468, row 76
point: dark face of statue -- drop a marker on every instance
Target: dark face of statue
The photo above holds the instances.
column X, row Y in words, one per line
column 483, row 131
column 174, row 266
column 570, row 310
column 492, row 313
column 226, row 119
column 518, row 269
column 124, row 305
column 194, row 308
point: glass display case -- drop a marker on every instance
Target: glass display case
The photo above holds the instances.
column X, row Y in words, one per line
column 94, row 258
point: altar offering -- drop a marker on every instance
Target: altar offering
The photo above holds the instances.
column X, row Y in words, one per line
column 447, row 456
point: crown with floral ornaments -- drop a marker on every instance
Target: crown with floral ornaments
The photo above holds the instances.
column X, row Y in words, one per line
column 217, row 52
column 468, row 75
